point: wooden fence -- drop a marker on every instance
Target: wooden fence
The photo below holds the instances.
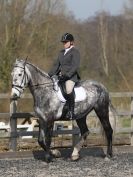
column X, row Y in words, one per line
column 13, row 115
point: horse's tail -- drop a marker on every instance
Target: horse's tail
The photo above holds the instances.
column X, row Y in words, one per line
column 112, row 116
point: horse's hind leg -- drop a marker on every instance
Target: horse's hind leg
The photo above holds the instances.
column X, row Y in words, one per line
column 103, row 114
column 84, row 133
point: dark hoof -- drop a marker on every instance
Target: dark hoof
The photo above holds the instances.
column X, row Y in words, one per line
column 48, row 158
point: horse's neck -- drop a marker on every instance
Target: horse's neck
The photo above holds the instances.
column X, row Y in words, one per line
column 37, row 77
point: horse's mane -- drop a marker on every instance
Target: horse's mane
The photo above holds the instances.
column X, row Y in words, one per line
column 43, row 73
column 38, row 69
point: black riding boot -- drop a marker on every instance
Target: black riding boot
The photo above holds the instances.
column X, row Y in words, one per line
column 71, row 104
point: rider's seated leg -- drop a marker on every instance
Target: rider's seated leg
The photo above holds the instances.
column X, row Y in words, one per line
column 70, row 98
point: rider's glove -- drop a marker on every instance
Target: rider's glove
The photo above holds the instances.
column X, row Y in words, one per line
column 54, row 78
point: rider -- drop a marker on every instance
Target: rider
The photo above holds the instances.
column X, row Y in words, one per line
column 66, row 67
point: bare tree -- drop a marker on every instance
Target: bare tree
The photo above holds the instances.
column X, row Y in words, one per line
column 128, row 9
column 25, row 27
column 103, row 34
column 116, row 46
column 10, row 16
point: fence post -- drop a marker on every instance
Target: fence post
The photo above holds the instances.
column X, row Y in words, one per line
column 13, row 126
column 131, row 121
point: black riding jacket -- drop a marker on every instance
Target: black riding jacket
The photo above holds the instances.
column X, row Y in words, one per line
column 67, row 64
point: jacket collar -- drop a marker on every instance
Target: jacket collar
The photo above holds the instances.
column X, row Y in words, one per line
column 67, row 50
column 63, row 50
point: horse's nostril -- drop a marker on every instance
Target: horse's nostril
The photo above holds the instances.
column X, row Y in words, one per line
column 14, row 96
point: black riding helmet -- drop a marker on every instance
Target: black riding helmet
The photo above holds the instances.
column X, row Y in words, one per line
column 67, row 37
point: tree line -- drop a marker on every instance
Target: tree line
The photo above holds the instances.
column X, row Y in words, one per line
column 33, row 28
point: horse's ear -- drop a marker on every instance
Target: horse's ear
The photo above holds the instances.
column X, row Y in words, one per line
column 18, row 58
column 26, row 59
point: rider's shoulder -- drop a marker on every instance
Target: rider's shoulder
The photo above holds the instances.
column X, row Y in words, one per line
column 62, row 51
column 75, row 49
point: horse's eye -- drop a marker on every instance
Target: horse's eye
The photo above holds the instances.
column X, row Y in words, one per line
column 20, row 74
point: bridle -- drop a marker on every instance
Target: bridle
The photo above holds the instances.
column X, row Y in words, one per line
column 25, row 77
column 23, row 85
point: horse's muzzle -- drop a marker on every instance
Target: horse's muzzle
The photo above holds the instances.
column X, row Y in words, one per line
column 15, row 94
column 14, row 97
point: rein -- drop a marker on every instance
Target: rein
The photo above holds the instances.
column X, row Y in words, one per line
column 46, row 83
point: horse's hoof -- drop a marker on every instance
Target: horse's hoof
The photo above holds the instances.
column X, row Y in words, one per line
column 108, row 157
column 56, row 153
column 48, row 158
column 75, row 157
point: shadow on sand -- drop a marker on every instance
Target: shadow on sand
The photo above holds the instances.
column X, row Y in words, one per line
column 66, row 153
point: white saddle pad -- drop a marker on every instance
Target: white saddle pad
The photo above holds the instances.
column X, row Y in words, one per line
column 80, row 94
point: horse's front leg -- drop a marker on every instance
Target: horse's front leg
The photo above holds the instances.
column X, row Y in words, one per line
column 45, row 136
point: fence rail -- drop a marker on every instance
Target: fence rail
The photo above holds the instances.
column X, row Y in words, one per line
column 13, row 115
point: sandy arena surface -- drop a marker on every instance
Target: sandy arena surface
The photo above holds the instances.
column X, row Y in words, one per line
column 91, row 164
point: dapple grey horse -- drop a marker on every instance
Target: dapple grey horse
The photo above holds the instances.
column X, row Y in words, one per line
column 48, row 106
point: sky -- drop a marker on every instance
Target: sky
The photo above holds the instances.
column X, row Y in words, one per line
column 82, row 9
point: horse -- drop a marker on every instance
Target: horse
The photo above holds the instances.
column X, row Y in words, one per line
column 48, row 107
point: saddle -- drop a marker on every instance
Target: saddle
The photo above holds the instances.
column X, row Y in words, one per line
column 79, row 92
